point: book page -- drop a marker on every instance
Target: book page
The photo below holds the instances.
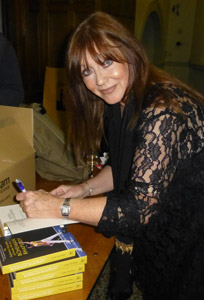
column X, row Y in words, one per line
column 28, row 224
column 10, row 213
column 17, row 221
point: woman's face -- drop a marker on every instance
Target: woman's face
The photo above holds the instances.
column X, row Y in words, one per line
column 108, row 81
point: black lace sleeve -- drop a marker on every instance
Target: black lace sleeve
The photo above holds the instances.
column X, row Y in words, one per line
column 159, row 138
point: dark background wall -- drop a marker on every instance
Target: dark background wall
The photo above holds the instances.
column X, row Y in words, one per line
column 39, row 30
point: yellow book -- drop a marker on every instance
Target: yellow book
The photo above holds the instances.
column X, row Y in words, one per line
column 33, row 248
column 47, row 292
column 63, row 271
column 47, row 283
column 80, row 257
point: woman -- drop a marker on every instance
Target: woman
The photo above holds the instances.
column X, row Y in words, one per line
column 153, row 126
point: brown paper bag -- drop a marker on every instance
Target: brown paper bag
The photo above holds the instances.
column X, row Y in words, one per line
column 54, row 161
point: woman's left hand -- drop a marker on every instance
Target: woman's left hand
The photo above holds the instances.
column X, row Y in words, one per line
column 40, row 204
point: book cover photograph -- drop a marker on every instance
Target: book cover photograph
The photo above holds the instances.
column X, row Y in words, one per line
column 80, row 257
column 33, row 248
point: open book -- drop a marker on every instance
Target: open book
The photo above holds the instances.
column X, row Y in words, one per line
column 14, row 220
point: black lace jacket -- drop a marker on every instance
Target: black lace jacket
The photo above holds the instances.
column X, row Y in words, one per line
column 162, row 205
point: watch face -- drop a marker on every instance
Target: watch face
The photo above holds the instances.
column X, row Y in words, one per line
column 65, row 210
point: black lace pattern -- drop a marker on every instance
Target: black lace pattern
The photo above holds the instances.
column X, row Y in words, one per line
column 162, row 206
column 164, row 139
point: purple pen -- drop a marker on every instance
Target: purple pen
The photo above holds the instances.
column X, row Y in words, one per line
column 20, row 185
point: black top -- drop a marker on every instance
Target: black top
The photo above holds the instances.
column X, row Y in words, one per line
column 11, row 88
column 160, row 203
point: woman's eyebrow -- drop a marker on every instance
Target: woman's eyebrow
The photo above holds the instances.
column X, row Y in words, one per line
column 84, row 65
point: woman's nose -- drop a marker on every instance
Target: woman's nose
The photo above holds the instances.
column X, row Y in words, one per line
column 100, row 77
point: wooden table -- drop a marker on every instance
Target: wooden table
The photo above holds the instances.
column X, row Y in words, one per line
column 96, row 246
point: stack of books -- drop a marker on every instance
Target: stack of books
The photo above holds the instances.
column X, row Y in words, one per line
column 42, row 262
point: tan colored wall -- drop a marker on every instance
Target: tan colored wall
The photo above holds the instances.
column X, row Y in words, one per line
column 182, row 36
column 177, row 25
column 180, row 31
column 143, row 10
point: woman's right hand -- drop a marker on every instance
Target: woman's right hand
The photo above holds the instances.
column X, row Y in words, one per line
column 99, row 184
column 71, row 191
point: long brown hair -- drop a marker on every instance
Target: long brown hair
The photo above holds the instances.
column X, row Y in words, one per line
column 101, row 35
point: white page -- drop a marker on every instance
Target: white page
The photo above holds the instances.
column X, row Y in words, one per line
column 16, row 220
column 11, row 213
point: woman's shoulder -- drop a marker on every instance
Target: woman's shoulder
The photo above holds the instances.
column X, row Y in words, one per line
column 159, row 100
column 169, row 98
column 180, row 111
column 161, row 92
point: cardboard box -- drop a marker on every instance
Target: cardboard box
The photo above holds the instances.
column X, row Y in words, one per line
column 17, row 155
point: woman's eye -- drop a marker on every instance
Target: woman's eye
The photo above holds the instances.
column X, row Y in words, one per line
column 86, row 72
column 107, row 62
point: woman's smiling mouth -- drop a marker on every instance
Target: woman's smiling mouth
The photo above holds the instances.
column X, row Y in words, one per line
column 108, row 90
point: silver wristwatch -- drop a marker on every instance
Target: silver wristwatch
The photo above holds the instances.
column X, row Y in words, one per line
column 65, row 208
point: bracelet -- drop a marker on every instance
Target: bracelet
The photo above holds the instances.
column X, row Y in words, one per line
column 90, row 189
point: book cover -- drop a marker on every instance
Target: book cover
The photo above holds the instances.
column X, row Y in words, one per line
column 63, row 271
column 79, row 257
column 34, row 248
column 47, row 292
column 61, row 280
